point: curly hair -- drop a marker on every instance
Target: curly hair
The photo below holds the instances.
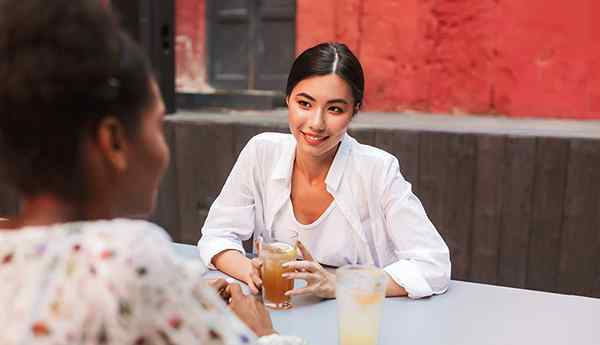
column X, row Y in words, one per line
column 64, row 66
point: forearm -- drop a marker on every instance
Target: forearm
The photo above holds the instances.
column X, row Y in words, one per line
column 393, row 289
column 233, row 263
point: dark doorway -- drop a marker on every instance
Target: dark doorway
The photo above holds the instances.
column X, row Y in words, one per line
column 152, row 24
column 251, row 43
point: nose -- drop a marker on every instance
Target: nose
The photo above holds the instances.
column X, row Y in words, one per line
column 317, row 121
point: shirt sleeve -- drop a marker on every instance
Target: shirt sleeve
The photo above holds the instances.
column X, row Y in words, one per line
column 231, row 218
column 423, row 265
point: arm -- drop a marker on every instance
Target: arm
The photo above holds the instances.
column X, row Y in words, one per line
column 237, row 265
column 393, row 289
column 423, row 261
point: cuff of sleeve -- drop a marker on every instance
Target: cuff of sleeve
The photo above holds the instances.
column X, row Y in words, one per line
column 408, row 275
column 208, row 248
column 276, row 339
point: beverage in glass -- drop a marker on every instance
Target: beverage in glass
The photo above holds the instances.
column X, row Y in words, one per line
column 360, row 291
column 274, row 286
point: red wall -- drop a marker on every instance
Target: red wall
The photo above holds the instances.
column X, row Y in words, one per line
column 533, row 58
column 190, row 48
column 513, row 57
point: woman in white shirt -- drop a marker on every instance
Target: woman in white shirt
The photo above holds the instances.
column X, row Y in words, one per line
column 81, row 140
column 346, row 203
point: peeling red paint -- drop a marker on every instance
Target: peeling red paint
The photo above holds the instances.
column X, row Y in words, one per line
column 190, row 46
column 533, row 58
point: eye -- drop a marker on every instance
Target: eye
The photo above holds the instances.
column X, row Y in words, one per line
column 303, row 104
column 336, row 110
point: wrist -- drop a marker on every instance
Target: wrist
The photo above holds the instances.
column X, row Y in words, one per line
column 265, row 332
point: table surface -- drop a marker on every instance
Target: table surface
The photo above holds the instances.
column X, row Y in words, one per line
column 468, row 313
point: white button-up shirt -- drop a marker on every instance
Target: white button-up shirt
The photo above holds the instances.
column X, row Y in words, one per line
column 386, row 220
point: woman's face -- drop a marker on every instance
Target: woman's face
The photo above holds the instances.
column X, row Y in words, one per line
column 149, row 157
column 320, row 109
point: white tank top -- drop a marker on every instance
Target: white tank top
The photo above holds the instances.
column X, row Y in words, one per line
column 329, row 238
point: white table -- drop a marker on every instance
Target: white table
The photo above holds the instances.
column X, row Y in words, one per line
column 468, row 314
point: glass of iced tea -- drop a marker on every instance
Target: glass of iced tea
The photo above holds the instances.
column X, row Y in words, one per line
column 360, row 291
column 274, row 286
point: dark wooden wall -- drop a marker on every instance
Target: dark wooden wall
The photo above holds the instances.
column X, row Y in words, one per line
column 515, row 210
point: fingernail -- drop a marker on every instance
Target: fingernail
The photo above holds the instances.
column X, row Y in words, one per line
column 285, row 275
column 285, row 264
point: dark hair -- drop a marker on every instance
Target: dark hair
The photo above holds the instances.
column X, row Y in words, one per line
column 64, row 66
column 328, row 58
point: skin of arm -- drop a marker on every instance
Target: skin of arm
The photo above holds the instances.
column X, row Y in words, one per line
column 237, row 265
column 393, row 289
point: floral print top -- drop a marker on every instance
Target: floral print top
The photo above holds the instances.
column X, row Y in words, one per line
column 109, row 282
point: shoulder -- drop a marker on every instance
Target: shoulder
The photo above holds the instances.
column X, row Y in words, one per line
column 121, row 232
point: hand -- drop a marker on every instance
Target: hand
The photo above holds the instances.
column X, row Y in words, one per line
column 253, row 279
column 319, row 282
column 250, row 310
column 220, row 285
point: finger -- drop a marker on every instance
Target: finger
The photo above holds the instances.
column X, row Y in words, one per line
column 301, row 275
column 299, row 292
column 252, row 286
column 257, row 262
column 219, row 284
column 235, row 290
column 305, row 253
column 310, row 266
column 256, row 279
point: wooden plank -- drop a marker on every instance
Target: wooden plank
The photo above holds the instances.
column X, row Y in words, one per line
column 433, row 150
column 547, row 214
column 166, row 213
column 579, row 242
column 516, row 211
column 487, row 210
column 9, row 201
column 363, row 135
column 204, row 153
column 458, row 201
column 244, row 132
column 405, row 146
column 447, row 168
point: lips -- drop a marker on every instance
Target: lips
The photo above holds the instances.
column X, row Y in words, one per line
column 313, row 139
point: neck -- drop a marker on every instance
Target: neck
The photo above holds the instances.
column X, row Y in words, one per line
column 49, row 209
column 315, row 169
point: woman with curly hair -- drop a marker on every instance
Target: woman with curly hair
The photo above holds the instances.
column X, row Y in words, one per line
column 81, row 140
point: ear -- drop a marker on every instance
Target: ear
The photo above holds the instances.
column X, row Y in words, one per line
column 112, row 141
column 287, row 101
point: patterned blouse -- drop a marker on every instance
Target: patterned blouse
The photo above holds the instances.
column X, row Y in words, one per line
column 109, row 282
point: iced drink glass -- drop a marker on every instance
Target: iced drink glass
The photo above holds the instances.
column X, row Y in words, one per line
column 274, row 286
column 360, row 291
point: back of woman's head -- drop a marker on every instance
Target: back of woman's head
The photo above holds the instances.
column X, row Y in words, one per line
column 329, row 58
column 64, row 66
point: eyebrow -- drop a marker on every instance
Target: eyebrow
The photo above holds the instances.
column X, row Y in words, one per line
column 337, row 100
